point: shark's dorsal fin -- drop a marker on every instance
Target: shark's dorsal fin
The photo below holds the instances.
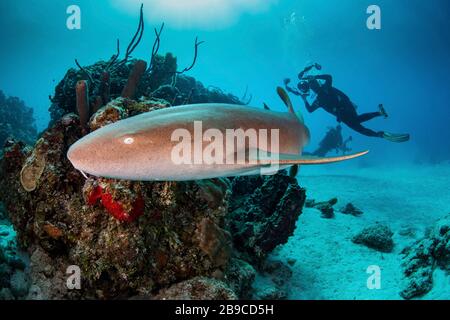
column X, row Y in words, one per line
column 266, row 107
column 289, row 159
column 287, row 101
column 285, row 97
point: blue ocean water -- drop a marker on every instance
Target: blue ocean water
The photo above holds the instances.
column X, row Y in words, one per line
column 255, row 44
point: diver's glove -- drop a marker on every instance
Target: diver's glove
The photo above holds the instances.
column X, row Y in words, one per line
column 286, row 81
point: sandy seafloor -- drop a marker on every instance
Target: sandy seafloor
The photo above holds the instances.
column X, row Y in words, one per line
column 329, row 265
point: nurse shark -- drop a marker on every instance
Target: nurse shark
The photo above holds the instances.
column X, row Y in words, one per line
column 152, row 146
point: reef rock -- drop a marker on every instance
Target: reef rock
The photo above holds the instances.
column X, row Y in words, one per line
column 441, row 238
column 122, row 108
column 325, row 207
column 271, row 293
column 13, row 279
column 240, row 276
column 6, row 294
column 351, row 209
column 3, row 213
column 291, row 261
column 263, row 213
column 377, row 237
column 214, row 241
column 19, row 284
column 273, row 281
column 279, row 273
column 408, row 231
column 420, row 259
column 418, row 269
column 197, row 289
column 309, row 203
column 16, row 120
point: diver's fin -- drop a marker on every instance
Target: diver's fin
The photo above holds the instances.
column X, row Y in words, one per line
column 396, row 137
column 266, row 107
column 285, row 97
column 289, row 159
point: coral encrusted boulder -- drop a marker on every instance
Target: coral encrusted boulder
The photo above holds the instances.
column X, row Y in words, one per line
column 377, row 237
column 132, row 238
column 421, row 258
column 263, row 213
column 128, row 238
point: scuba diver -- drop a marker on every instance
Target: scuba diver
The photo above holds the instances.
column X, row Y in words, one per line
column 332, row 141
column 338, row 104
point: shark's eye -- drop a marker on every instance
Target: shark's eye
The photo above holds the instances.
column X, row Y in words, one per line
column 128, row 140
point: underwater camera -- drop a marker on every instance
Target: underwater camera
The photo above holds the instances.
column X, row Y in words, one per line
column 304, row 87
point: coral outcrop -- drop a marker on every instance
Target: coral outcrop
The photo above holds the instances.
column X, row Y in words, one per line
column 421, row 258
column 158, row 85
column 169, row 231
column 137, row 238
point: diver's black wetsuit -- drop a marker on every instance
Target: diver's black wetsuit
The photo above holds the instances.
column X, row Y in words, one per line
column 339, row 104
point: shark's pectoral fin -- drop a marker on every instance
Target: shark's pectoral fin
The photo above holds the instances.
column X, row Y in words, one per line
column 287, row 159
column 311, row 160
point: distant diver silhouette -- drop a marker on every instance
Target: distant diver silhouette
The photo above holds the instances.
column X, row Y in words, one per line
column 338, row 104
column 332, row 141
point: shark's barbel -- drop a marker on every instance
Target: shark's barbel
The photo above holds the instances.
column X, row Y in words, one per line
column 141, row 148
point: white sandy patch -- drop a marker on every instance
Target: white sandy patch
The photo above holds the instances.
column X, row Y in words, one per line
column 329, row 265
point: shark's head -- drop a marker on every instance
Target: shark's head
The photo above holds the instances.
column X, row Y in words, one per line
column 111, row 151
